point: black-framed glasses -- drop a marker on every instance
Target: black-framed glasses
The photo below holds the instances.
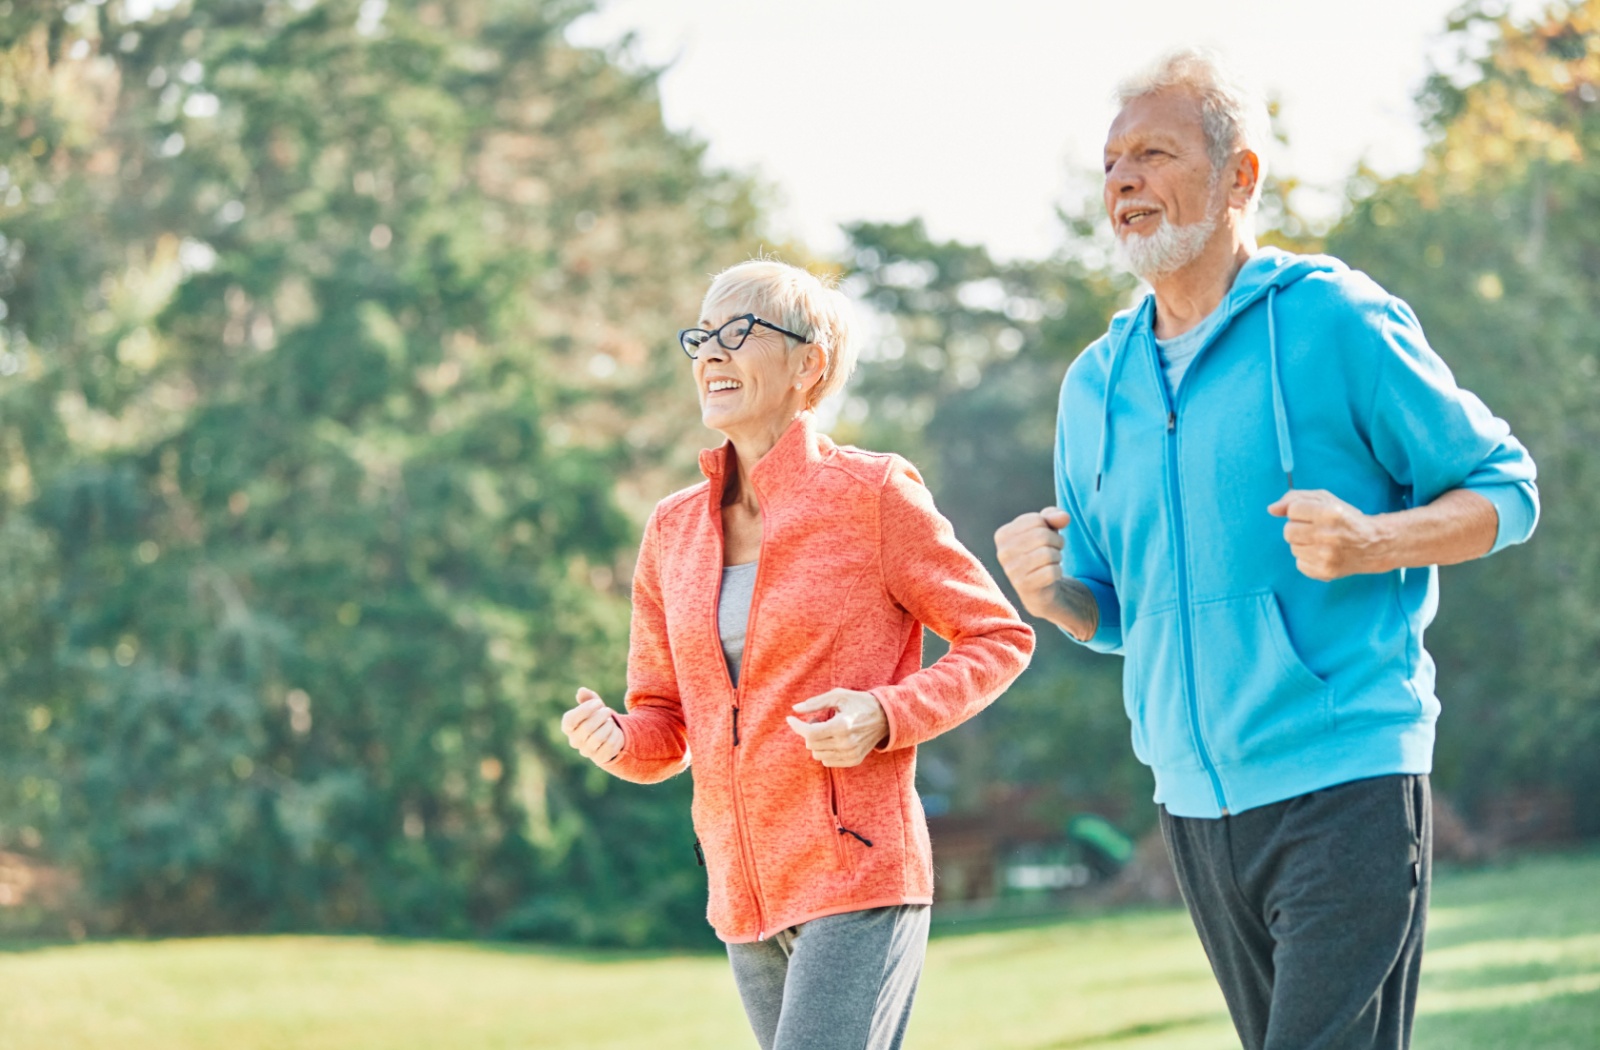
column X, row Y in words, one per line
column 731, row 334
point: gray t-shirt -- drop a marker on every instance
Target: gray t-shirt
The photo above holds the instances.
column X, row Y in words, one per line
column 1177, row 352
column 733, row 612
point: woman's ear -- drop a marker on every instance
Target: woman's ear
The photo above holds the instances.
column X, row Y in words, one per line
column 815, row 367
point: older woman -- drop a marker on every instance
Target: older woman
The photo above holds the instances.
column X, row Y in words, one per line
column 778, row 609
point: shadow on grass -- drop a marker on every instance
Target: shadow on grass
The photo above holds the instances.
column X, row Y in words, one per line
column 1559, row 1022
column 1155, row 980
column 1538, row 895
column 1523, row 969
column 961, row 921
column 1135, row 1031
column 21, row 945
column 1505, row 976
column 563, row 952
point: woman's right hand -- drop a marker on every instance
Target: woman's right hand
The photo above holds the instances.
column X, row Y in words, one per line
column 591, row 728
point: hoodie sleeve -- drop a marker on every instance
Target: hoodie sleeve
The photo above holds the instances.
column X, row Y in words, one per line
column 1080, row 556
column 655, row 744
column 941, row 584
column 1432, row 436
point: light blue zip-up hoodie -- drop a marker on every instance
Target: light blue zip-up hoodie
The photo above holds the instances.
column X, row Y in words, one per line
column 1247, row 682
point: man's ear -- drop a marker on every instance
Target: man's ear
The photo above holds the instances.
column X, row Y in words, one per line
column 1246, row 173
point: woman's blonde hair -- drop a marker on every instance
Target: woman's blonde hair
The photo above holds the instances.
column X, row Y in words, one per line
column 798, row 300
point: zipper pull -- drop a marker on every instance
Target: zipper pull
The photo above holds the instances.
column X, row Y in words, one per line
column 859, row 838
column 1172, row 420
column 699, row 854
column 736, row 727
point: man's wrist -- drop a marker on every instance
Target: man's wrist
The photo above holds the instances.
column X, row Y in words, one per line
column 1383, row 552
column 1071, row 607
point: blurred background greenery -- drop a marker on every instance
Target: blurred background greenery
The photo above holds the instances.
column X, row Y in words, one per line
column 337, row 373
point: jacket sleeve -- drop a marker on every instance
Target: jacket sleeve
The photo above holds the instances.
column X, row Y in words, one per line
column 1081, row 558
column 939, row 582
column 1433, row 437
column 655, row 744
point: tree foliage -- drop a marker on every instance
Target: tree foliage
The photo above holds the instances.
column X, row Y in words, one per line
column 329, row 333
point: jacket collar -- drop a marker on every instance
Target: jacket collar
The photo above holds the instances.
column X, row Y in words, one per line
column 783, row 470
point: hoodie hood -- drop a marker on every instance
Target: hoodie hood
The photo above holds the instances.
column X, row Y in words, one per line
column 1262, row 275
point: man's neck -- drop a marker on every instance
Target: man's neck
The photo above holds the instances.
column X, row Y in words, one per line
column 1186, row 297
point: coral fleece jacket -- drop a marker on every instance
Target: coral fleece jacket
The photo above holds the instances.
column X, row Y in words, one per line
column 855, row 560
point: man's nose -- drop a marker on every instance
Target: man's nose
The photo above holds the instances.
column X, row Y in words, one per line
column 1123, row 178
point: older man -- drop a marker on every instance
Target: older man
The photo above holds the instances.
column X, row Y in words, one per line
column 1258, row 468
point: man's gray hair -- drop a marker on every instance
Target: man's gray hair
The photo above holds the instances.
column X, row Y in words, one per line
column 1233, row 116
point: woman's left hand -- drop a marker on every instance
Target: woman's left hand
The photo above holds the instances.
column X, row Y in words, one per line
column 857, row 725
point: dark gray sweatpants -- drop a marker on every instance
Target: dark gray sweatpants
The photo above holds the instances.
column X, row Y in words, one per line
column 1312, row 911
column 841, row 982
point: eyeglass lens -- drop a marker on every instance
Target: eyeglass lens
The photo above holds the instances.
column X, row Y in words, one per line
column 731, row 335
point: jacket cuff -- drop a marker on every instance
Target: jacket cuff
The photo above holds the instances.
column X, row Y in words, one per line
column 893, row 740
column 628, row 766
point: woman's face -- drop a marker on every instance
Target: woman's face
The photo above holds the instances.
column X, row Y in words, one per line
column 751, row 389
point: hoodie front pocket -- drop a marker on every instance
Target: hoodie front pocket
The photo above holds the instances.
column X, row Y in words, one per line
column 1153, row 691
column 1257, row 697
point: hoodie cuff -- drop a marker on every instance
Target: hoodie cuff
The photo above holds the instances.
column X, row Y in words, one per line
column 1107, row 636
column 1516, row 512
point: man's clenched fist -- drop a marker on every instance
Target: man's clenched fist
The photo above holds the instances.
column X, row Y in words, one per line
column 1328, row 537
column 1029, row 548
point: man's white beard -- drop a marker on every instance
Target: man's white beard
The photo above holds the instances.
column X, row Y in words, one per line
column 1165, row 251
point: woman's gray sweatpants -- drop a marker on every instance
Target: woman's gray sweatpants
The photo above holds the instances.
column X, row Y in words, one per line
column 841, row 982
column 1312, row 912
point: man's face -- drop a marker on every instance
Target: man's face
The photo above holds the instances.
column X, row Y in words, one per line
column 1158, row 173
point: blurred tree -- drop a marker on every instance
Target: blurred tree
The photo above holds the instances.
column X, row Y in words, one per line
column 1496, row 243
column 334, row 334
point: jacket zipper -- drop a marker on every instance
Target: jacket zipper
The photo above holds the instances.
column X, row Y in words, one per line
column 746, row 859
column 1185, row 632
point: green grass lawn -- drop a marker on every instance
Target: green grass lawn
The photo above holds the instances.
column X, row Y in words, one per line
column 1513, row 962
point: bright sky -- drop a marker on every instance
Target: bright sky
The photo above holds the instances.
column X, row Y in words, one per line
column 982, row 117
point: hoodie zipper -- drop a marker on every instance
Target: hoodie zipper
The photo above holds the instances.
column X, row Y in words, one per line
column 1181, row 541
column 746, row 857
